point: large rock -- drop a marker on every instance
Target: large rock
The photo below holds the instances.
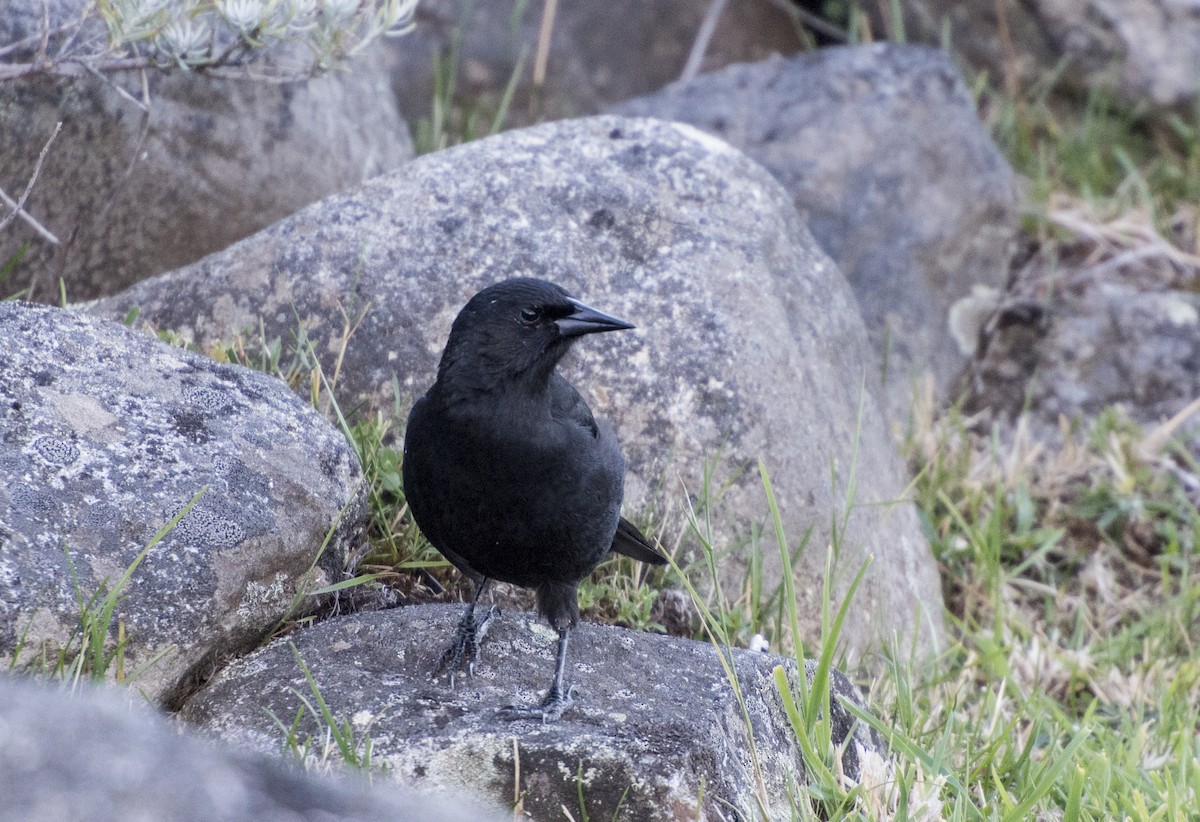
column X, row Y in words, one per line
column 883, row 153
column 132, row 194
column 105, row 435
column 655, row 726
column 750, row 343
column 599, row 53
column 92, row 755
column 1078, row 332
column 1145, row 50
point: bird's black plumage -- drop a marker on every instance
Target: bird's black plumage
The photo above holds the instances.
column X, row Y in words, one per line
column 507, row 472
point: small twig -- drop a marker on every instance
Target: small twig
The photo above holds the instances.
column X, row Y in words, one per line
column 45, row 38
column 120, row 91
column 74, row 67
column 707, row 27
column 134, row 156
column 44, row 232
column 1156, row 439
column 18, row 208
column 34, row 39
column 543, row 49
column 78, row 27
column 1161, row 250
column 227, row 57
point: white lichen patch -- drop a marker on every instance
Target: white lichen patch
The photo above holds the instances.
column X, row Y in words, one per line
column 261, row 599
column 83, row 413
column 1179, row 312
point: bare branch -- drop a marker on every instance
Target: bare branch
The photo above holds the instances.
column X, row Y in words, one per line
column 45, row 41
column 63, row 50
column 18, row 208
column 74, row 67
column 120, row 91
column 34, row 39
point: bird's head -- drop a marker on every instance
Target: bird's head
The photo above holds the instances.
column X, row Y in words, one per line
column 517, row 330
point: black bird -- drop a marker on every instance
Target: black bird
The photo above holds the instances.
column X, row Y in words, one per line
column 507, row 472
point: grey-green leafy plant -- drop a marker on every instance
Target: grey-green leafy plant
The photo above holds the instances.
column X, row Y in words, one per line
column 219, row 36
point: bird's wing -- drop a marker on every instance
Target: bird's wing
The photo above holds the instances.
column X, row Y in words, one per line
column 629, row 541
column 566, row 404
column 420, row 483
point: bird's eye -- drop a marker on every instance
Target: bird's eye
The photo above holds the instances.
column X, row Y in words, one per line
column 530, row 315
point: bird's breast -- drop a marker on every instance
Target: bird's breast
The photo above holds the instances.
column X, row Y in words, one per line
column 521, row 496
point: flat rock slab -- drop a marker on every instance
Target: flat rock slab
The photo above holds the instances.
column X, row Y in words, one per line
column 105, row 435
column 882, row 150
column 655, row 725
column 748, row 345
column 93, row 755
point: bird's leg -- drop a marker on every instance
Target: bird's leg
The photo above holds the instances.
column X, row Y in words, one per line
column 556, row 701
column 467, row 637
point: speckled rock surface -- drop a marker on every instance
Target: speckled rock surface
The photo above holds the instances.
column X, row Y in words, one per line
column 654, row 720
column 1078, row 332
column 749, row 342
column 105, row 435
column 900, row 183
column 1147, row 51
column 132, row 194
column 93, row 755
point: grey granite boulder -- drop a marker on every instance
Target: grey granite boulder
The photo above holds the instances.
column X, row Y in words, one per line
column 885, row 157
column 749, row 343
column 130, row 194
column 655, row 725
column 105, row 435
column 93, row 755
column 1144, row 50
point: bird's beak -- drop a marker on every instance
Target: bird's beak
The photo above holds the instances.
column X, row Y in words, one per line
column 587, row 320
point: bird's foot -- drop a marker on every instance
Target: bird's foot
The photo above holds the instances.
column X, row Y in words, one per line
column 465, row 648
column 550, row 710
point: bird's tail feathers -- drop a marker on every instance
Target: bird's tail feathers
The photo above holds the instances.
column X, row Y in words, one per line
column 558, row 602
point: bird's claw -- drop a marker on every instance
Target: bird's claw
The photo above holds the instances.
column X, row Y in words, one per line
column 551, row 709
column 468, row 639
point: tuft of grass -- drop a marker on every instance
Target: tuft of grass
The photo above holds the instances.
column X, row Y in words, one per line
column 336, row 740
column 454, row 118
column 91, row 651
column 1070, row 688
column 1069, row 575
column 9, row 266
column 1107, row 149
